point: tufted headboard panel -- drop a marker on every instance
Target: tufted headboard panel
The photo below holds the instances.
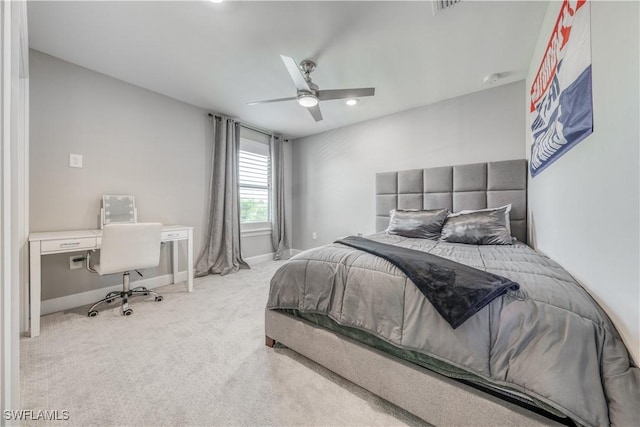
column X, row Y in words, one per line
column 475, row 186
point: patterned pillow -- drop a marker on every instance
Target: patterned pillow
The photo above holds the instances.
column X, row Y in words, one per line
column 481, row 227
column 418, row 224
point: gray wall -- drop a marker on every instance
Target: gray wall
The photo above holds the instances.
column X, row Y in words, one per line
column 584, row 208
column 133, row 141
column 334, row 172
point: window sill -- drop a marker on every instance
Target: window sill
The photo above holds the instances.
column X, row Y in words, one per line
column 255, row 229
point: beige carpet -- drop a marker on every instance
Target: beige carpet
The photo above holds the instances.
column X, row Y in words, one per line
column 192, row 359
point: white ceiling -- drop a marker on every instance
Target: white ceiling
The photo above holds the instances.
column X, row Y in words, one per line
column 221, row 56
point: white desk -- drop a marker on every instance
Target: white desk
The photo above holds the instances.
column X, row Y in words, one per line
column 57, row 242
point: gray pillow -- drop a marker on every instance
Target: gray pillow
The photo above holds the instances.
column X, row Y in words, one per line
column 419, row 224
column 481, row 227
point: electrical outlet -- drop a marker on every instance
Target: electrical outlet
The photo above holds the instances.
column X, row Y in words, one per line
column 74, row 265
column 314, row 236
column 75, row 160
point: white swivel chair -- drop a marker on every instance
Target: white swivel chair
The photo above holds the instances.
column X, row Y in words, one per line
column 127, row 247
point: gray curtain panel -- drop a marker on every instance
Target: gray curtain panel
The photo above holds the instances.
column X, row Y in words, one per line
column 278, row 233
column 221, row 252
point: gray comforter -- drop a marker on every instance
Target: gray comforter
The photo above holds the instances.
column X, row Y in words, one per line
column 549, row 340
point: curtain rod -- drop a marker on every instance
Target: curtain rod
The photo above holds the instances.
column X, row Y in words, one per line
column 250, row 127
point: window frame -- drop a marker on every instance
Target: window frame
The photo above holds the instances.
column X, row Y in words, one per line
column 251, row 229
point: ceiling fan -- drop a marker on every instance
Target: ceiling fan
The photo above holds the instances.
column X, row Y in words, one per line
column 308, row 94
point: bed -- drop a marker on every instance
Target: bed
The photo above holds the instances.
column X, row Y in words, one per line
column 544, row 354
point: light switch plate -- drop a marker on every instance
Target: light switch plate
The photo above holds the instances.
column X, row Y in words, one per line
column 75, row 160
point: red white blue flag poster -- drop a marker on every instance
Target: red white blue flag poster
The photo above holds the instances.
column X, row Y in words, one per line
column 561, row 108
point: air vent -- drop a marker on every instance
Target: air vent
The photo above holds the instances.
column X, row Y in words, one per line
column 440, row 5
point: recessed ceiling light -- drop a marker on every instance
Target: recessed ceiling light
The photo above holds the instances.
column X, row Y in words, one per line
column 216, row 1
column 351, row 102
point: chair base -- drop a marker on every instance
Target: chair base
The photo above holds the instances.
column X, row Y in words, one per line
column 124, row 296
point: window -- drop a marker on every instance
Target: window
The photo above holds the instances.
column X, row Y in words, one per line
column 255, row 182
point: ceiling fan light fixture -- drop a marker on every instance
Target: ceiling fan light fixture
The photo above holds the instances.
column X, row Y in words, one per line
column 308, row 94
column 308, row 100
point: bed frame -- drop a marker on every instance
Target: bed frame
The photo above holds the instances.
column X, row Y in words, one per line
column 430, row 396
column 438, row 400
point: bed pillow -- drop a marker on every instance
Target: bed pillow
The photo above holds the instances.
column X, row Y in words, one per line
column 480, row 227
column 418, row 224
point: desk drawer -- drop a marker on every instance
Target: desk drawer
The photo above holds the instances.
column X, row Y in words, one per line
column 67, row 245
column 174, row 235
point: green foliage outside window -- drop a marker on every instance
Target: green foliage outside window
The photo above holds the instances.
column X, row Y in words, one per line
column 254, row 210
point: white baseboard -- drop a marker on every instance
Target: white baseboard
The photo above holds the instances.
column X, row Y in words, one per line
column 89, row 297
column 259, row 258
column 268, row 257
column 84, row 298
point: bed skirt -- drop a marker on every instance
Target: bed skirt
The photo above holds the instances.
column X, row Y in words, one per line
column 432, row 397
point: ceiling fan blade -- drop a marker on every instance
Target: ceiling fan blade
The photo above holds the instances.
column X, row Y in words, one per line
column 296, row 74
column 269, row 101
column 326, row 95
column 315, row 112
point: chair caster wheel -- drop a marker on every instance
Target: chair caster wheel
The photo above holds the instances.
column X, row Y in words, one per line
column 145, row 294
column 92, row 313
column 128, row 312
column 159, row 298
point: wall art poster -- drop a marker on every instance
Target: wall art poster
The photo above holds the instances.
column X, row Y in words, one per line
column 561, row 108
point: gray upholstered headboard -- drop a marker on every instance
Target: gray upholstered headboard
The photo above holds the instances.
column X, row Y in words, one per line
column 476, row 186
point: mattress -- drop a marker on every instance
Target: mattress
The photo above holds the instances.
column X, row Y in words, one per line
column 548, row 342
